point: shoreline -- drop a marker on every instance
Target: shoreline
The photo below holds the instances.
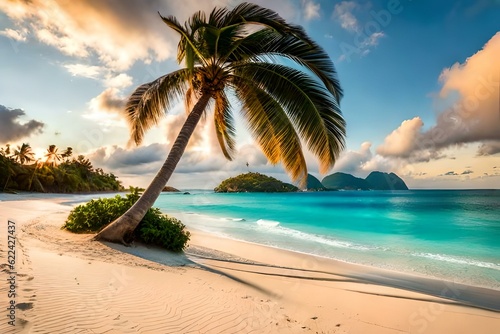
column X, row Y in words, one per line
column 69, row 283
column 370, row 274
column 394, row 271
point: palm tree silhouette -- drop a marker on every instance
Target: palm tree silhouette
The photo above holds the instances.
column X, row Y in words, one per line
column 5, row 151
column 52, row 158
column 239, row 53
column 68, row 152
column 24, row 154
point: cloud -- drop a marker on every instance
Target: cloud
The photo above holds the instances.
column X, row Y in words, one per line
column 311, row 9
column 118, row 32
column 106, row 109
column 489, row 148
column 17, row 35
column 476, row 115
column 140, row 160
column 119, row 81
column 353, row 161
column 343, row 13
column 372, row 40
column 87, row 71
column 12, row 128
column 473, row 117
column 402, row 141
column 364, row 39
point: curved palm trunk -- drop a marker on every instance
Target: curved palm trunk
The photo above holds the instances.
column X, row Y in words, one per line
column 122, row 228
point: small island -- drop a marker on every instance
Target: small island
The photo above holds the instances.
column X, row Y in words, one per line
column 169, row 189
column 254, row 182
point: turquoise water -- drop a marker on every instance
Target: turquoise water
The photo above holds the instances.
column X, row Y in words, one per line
column 448, row 234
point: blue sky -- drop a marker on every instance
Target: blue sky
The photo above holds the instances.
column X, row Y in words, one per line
column 421, row 82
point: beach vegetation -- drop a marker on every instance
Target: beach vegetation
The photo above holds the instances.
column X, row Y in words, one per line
column 19, row 171
column 285, row 85
column 155, row 228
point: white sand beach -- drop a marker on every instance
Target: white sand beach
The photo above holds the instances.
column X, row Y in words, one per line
column 67, row 283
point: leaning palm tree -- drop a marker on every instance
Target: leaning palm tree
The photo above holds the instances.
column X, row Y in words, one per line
column 286, row 85
column 52, row 157
column 24, row 154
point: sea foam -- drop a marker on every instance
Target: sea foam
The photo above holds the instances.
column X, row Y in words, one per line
column 458, row 260
column 276, row 228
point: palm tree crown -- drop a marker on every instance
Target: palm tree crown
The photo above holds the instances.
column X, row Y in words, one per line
column 52, row 156
column 24, row 154
column 237, row 53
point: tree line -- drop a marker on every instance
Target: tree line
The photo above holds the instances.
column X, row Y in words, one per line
column 56, row 172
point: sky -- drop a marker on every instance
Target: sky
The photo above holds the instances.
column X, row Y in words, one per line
column 421, row 82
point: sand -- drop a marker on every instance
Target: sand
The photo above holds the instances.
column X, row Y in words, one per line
column 67, row 283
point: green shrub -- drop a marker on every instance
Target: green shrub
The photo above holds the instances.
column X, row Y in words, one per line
column 161, row 230
column 155, row 228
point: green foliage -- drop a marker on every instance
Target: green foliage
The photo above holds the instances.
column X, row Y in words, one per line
column 76, row 175
column 254, row 182
column 161, row 230
column 155, row 228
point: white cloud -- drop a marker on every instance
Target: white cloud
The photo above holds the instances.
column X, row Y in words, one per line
column 119, row 81
column 311, row 10
column 17, row 35
column 87, row 71
column 344, row 13
column 353, row 161
column 401, row 142
column 373, row 39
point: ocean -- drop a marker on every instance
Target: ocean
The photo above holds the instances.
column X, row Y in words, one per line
column 446, row 234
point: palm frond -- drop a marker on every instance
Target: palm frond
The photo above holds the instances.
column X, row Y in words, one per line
column 266, row 115
column 250, row 13
column 311, row 108
column 224, row 125
column 258, row 123
column 149, row 102
column 269, row 43
column 216, row 17
column 187, row 49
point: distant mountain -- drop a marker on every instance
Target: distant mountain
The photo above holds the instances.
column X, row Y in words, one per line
column 384, row 181
column 313, row 184
column 253, row 182
column 374, row 181
column 345, row 181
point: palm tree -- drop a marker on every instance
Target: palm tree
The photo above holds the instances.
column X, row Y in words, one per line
column 24, row 154
column 240, row 53
column 52, row 157
column 5, row 151
column 68, row 152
